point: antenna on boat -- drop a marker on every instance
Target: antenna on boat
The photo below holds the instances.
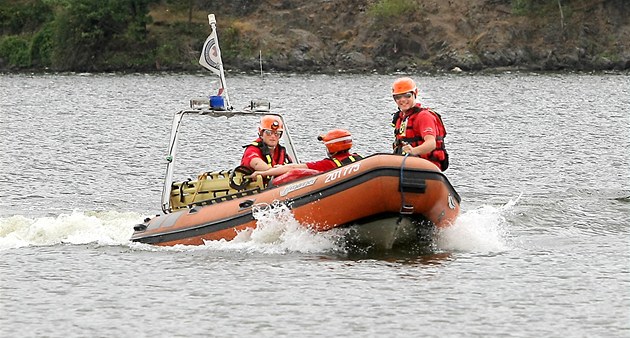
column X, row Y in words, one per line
column 211, row 59
column 260, row 59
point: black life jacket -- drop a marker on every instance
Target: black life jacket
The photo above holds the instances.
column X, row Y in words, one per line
column 439, row 154
column 266, row 152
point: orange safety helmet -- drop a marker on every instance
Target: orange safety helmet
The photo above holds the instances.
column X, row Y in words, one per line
column 336, row 140
column 404, row 85
column 271, row 122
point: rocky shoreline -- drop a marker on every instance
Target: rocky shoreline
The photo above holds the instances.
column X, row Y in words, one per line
column 496, row 61
column 334, row 36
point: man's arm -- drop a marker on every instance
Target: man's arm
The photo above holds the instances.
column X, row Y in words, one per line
column 257, row 164
column 277, row 170
column 425, row 148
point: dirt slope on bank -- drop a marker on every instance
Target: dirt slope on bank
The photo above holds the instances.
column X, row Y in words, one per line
column 346, row 35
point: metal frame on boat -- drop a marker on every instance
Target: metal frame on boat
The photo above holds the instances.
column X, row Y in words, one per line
column 209, row 111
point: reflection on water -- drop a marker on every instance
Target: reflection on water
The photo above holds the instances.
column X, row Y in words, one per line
column 623, row 199
column 414, row 255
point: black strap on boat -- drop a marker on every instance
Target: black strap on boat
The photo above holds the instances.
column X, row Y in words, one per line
column 181, row 190
column 404, row 209
column 245, row 179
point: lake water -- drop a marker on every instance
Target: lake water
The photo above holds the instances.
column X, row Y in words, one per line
column 541, row 247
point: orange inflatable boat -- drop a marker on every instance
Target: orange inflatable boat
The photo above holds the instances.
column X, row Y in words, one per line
column 386, row 199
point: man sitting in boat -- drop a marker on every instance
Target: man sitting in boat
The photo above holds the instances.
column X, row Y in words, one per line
column 338, row 143
column 266, row 152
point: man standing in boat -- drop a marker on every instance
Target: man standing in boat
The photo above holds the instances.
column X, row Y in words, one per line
column 266, row 152
column 338, row 143
column 419, row 131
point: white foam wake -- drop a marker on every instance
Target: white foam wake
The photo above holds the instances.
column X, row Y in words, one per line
column 484, row 229
column 79, row 227
column 278, row 232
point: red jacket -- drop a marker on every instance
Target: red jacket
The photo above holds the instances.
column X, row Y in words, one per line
column 258, row 149
column 412, row 127
column 336, row 161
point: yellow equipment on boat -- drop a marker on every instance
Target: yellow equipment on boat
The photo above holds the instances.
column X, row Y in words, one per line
column 213, row 187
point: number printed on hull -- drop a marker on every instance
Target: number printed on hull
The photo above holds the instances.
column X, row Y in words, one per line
column 333, row 175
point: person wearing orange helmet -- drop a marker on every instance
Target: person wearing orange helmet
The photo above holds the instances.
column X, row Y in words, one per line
column 338, row 143
column 266, row 152
column 418, row 130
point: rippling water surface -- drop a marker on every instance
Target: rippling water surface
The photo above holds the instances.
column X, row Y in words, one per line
column 541, row 247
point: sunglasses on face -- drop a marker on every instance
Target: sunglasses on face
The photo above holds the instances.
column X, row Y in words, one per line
column 400, row 96
column 271, row 132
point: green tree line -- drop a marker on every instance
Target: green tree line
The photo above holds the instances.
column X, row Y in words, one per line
column 80, row 35
column 102, row 35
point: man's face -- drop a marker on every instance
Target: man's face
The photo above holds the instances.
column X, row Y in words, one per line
column 405, row 101
column 270, row 137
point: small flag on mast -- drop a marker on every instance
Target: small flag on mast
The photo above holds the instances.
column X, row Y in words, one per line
column 211, row 58
column 211, row 55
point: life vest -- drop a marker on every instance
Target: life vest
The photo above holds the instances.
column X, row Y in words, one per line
column 404, row 132
column 346, row 160
column 283, row 157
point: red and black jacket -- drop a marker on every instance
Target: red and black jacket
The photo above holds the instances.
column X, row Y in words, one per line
column 282, row 158
column 404, row 133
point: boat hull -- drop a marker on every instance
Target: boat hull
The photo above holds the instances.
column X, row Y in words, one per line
column 368, row 194
column 389, row 233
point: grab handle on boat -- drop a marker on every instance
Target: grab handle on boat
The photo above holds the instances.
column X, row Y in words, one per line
column 246, row 204
column 140, row 227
